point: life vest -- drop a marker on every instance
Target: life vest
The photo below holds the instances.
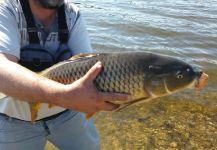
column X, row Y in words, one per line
column 35, row 56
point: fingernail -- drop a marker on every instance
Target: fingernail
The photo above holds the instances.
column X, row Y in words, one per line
column 98, row 64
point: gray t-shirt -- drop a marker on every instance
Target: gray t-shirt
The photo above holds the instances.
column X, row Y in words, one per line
column 13, row 36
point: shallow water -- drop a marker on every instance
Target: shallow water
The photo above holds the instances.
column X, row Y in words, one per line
column 180, row 28
column 184, row 29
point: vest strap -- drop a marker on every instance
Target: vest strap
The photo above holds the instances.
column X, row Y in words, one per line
column 32, row 29
column 62, row 25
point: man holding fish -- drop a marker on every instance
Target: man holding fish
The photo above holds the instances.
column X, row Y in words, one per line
column 37, row 34
column 34, row 35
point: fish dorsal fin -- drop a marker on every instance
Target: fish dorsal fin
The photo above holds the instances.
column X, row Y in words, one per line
column 81, row 56
column 73, row 58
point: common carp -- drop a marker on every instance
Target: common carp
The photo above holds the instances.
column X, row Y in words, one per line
column 143, row 75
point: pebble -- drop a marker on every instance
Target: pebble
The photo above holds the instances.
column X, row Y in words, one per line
column 173, row 144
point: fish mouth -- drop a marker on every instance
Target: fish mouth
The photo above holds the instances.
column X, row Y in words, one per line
column 201, row 82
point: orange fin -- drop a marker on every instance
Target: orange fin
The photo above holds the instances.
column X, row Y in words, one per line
column 51, row 105
column 34, row 107
column 88, row 116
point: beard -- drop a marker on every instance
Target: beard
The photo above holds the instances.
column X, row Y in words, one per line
column 51, row 4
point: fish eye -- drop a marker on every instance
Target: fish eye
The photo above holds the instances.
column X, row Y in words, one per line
column 179, row 75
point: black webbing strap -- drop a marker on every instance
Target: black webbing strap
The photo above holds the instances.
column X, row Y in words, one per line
column 62, row 25
column 31, row 27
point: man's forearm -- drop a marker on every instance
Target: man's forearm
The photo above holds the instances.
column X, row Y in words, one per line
column 23, row 84
column 81, row 95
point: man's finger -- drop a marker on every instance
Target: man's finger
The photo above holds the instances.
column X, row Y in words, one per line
column 114, row 96
column 94, row 71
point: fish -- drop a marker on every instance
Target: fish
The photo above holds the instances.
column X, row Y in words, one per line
column 142, row 75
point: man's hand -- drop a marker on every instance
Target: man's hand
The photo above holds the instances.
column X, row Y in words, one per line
column 83, row 96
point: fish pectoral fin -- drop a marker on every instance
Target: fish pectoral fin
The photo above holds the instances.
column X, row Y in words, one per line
column 136, row 101
column 34, row 107
column 82, row 55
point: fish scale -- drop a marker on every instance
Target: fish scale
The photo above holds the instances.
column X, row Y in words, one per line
column 114, row 73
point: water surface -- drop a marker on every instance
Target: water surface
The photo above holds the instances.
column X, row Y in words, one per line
column 186, row 29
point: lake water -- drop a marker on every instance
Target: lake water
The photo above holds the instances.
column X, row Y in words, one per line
column 186, row 29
